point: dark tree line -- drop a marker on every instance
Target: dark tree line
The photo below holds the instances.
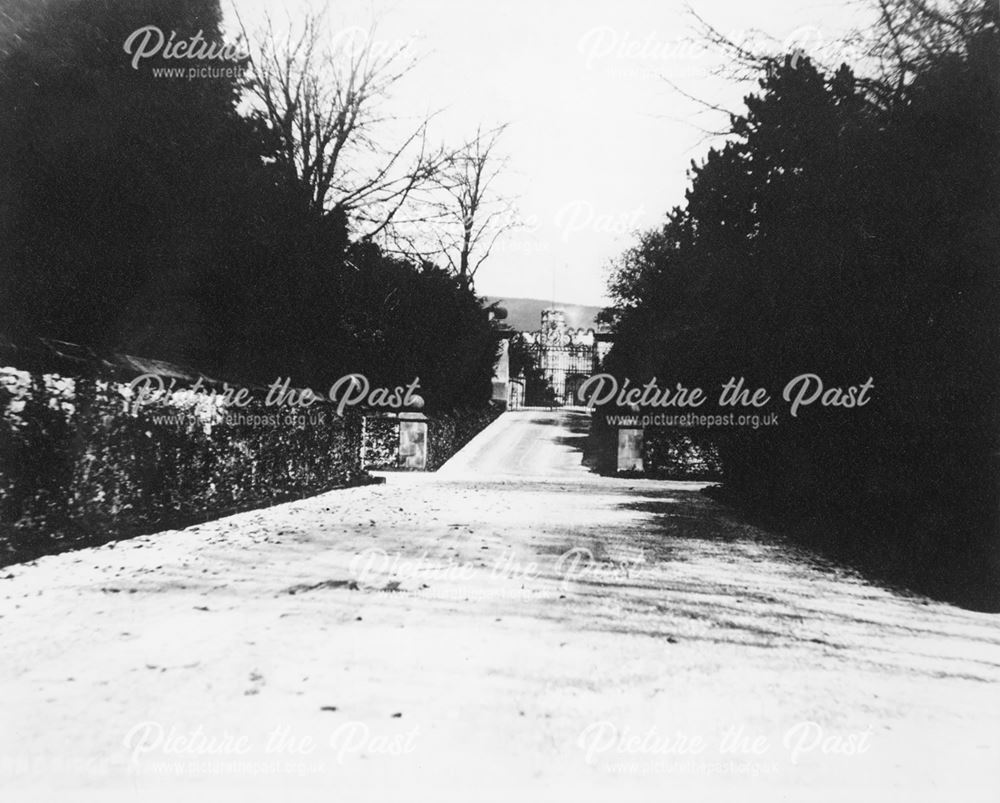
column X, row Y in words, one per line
column 850, row 228
column 150, row 214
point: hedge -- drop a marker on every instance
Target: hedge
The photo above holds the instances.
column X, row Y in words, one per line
column 83, row 466
column 669, row 453
column 447, row 432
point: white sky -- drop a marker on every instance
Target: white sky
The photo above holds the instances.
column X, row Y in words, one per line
column 599, row 143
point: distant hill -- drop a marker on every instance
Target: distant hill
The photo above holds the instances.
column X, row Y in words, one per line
column 525, row 314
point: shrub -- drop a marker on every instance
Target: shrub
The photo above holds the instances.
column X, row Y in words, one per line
column 98, row 468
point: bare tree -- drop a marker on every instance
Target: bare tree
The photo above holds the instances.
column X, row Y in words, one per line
column 913, row 33
column 905, row 35
column 323, row 100
column 469, row 213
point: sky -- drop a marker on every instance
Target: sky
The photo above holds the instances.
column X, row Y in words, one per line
column 599, row 140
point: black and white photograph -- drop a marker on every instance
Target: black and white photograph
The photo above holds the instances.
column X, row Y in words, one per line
column 557, row 401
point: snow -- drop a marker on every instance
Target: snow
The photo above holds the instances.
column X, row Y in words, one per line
column 430, row 639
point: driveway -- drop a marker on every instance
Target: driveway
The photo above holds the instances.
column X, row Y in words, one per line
column 512, row 627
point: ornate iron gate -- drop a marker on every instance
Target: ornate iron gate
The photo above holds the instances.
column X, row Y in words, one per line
column 565, row 368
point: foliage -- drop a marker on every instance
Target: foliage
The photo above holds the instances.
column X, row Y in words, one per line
column 381, row 443
column 449, row 432
column 96, row 469
column 681, row 455
column 117, row 185
column 146, row 214
column 844, row 234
